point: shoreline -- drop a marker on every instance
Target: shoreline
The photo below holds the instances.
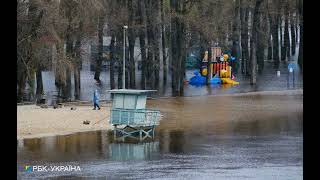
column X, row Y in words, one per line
column 43, row 135
column 103, row 102
column 63, row 121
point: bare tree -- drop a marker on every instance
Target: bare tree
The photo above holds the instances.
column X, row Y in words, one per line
column 253, row 42
column 62, row 27
column 300, row 57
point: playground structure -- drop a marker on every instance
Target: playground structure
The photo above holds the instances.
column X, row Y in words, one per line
column 220, row 69
column 129, row 115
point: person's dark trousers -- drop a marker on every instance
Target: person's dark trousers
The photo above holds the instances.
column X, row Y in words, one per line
column 96, row 105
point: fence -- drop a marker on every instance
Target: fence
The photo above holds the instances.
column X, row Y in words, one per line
column 135, row 117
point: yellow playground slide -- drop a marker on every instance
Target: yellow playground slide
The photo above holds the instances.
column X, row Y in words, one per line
column 228, row 81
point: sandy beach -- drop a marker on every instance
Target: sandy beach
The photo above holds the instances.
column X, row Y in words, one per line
column 34, row 121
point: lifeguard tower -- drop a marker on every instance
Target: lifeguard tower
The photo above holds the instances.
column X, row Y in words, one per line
column 129, row 115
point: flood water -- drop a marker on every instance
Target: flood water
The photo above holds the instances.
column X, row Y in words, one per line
column 204, row 137
column 266, row 81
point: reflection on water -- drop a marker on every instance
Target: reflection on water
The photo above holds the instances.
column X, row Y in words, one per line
column 199, row 138
column 129, row 152
column 66, row 148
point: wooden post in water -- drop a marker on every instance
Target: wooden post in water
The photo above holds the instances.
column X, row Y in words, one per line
column 293, row 78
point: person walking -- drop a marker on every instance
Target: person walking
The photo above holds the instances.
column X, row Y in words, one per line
column 96, row 100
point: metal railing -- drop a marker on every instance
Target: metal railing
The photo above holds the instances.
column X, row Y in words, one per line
column 135, row 117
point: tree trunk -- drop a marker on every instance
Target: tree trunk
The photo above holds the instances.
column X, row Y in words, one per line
column 244, row 39
column 248, row 65
column 120, row 59
column 153, row 35
column 293, row 36
column 142, row 38
column 21, row 86
column 282, row 39
column 77, row 63
column 112, row 51
column 149, row 62
column 39, row 90
column 76, row 68
column 178, row 60
column 269, row 56
column 156, row 64
column 236, row 36
column 261, row 41
column 77, row 83
column 208, row 66
column 66, row 91
column 269, row 47
column 31, row 83
column 143, row 59
column 164, row 59
column 59, row 70
column 286, row 35
column 296, row 31
column 151, row 46
column 297, row 19
column 275, row 40
column 24, row 73
column 300, row 56
column 157, row 38
column 183, row 58
column 173, row 52
column 256, row 18
column 131, row 64
column 100, row 49
column 178, row 45
column 131, row 43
